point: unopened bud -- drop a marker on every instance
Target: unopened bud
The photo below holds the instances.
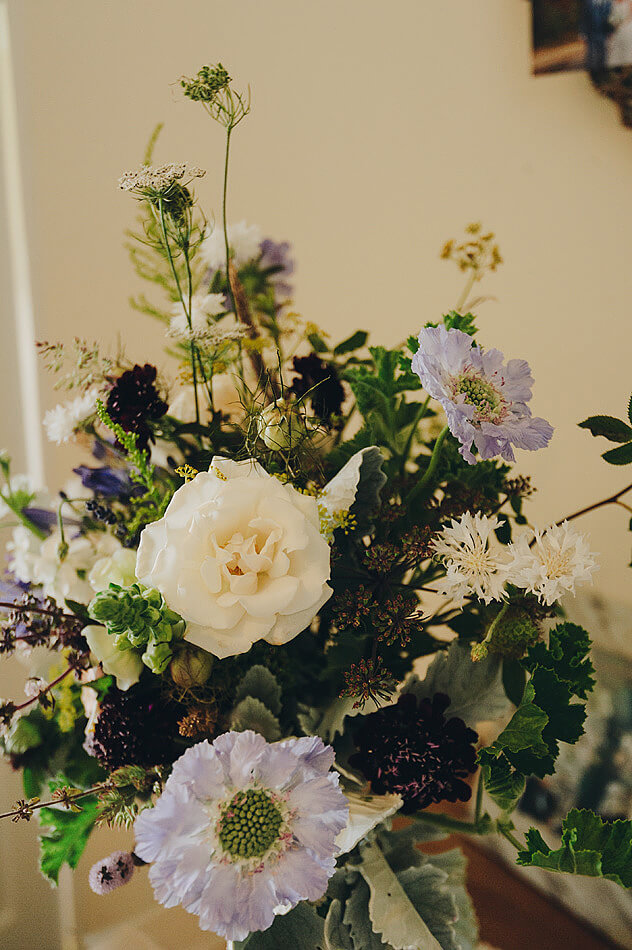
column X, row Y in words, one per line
column 191, row 667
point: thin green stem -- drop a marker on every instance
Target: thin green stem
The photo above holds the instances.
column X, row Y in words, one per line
column 450, row 824
column 229, row 129
column 505, row 832
column 23, row 518
column 479, row 798
column 432, row 465
column 421, row 411
column 466, row 290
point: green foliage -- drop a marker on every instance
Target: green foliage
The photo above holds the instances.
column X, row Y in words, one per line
column 261, row 684
column 139, row 619
column 475, row 689
column 64, row 834
column 251, row 713
column 590, row 846
column 119, row 806
column 302, row 927
column 529, row 743
column 458, row 321
column 354, row 342
column 615, row 430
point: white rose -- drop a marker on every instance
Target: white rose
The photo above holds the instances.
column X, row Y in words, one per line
column 117, row 568
column 239, row 556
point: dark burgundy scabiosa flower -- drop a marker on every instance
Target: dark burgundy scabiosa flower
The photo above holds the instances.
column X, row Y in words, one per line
column 412, row 750
column 328, row 395
column 132, row 730
column 134, row 402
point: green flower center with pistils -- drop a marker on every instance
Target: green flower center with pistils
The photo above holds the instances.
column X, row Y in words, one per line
column 483, row 395
column 250, row 824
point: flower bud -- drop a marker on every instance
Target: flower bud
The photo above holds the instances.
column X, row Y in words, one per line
column 191, row 667
column 279, row 429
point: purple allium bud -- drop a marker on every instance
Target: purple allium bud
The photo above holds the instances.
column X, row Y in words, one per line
column 111, row 872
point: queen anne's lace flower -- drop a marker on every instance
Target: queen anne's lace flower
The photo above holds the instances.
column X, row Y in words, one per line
column 244, row 241
column 484, row 398
column 239, row 556
column 474, row 561
column 203, row 307
column 243, row 830
column 557, row 560
column 62, row 421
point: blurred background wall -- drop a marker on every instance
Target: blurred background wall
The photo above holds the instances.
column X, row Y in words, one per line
column 377, row 132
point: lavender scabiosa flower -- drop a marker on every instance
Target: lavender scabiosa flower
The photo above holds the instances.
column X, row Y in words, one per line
column 244, row 829
column 111, row 872
column 474, row 561
column 276, row 258
column 411, row 749
column 484, row 398
column 552, row 564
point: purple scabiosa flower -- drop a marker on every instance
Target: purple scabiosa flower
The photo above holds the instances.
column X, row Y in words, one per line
column 244, row 829
column 132, row 729
column 412, row 750
column 134, row 401
column 275, row 256
column 111, row 872
column 484, row 398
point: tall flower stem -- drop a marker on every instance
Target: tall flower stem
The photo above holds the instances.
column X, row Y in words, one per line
column 17, row 511
column 229, row 129
column 432, row 465
column 611, row 500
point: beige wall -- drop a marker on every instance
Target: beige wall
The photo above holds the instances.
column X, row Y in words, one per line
column 377, row 132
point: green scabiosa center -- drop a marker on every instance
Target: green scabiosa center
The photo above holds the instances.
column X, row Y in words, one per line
column 250, row 824
column 483, row 395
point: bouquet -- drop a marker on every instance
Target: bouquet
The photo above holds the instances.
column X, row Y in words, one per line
column 226, row 614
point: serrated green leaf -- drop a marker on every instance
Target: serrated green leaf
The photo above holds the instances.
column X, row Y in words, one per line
column 251, row 713
column 502, row 782
column 260, row 683
column 413, row 344
column 64, row 836
column 622, row 455
column 524, row 731
column 301, row 927
column 590, row 846
column 566, row 656
column 475, row 689
column 353, row 342
column 393, row 915
column 615, row 430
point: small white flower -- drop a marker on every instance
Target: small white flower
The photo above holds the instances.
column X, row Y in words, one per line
column 203, row 308
column 148, row 178
column 244, row 241
column 124, row 665
column 61, row 421
column 558, row 559
column 20, row 484
column 116, row 568
column 474, row 561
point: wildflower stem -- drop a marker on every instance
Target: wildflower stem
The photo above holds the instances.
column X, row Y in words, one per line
column 611, row 500
column 56, row 801
column 17, row 511
column 467, row 290
column 46, row 689
column 432, row 465
column 229, row 129
column 450, row 824
column 479, row 798
column 22, row 608
column 506, row 833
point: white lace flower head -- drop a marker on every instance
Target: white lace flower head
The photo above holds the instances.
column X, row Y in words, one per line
column 244, row 241
column 475, row 562
column 558, row 559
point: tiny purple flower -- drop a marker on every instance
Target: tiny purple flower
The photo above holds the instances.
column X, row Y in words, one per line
column 484, row 398
column 111, row 872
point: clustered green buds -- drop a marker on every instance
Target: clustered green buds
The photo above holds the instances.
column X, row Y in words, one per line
column 208, row 83
column 139, row 619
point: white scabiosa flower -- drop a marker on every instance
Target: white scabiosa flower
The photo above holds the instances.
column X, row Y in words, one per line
column 244, row 830
column 475, row 562
column 244, row 241
column 61, row 422
column 556, row 561
column 203, row 308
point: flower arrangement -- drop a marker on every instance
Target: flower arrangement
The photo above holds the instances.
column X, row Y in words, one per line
column 225, row 614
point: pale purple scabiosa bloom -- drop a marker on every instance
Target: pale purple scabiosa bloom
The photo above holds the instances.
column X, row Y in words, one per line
column 484, row 398
column 475, row 562
column 111, row 872
column 555, row 561
column 232, row 870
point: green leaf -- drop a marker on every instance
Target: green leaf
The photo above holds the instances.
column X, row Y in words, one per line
column 607, row 426
column 566, row 656
column 353, row 342
column 392, row 913
column 502, row 782
column 64, row 836
column 302, row 927
column 524, row 731
column 262, row 684
column 251, row 713
column 590, row 846
column 317, row 342
column 622, row 455
column 514, row 679
column 458, row 321
column 356, row 917
column 413, row 344
column 337, row 935
column 475, row 689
